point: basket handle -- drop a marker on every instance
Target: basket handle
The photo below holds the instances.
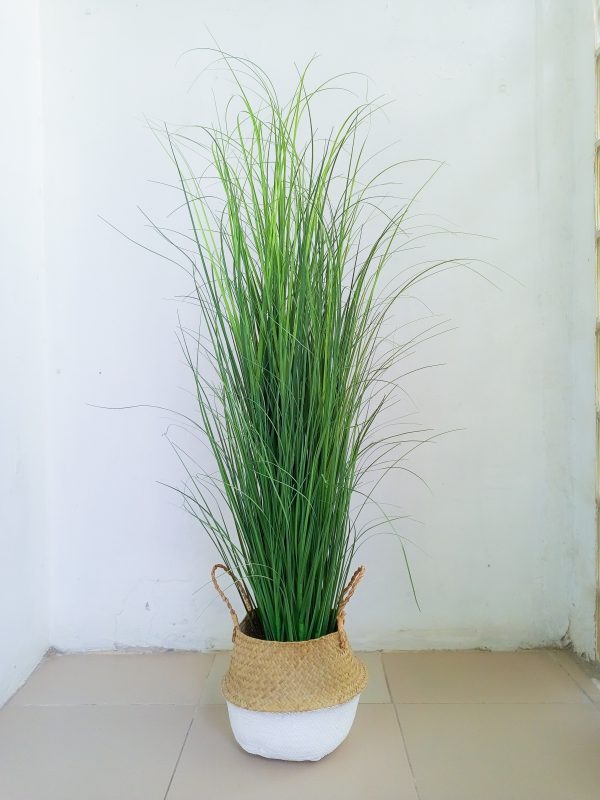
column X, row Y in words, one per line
column 239, row 586
column 341, row 613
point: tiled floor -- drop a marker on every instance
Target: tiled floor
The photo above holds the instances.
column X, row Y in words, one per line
column 431, row 726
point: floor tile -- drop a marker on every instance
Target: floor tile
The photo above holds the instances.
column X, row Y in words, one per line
column 377, row 689
column 476, row 676
column 586, row 675
column 504, row 752
column 371, row 763
column 116, row 679
column 211, row 693
column 90, row 752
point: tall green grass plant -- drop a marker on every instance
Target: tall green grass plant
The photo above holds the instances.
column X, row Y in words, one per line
column 289, row 244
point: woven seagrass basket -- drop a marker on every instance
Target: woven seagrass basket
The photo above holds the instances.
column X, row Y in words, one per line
column 290, row 685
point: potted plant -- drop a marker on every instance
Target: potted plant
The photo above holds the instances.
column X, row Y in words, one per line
column 286, row 261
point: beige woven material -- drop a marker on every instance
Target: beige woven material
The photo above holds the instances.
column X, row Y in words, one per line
column 291, row 676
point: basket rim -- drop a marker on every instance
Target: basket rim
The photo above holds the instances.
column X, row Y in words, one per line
column 240, row 632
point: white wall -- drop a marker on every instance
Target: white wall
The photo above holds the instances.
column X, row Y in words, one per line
column 500, row 91
column 23, row 618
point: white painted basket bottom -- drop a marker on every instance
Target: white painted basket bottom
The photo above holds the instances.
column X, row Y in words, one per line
column 292, row 735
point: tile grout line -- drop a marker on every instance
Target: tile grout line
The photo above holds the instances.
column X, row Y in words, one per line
column 187, row 733
column 566, row 671
column 492, row 703
column 221, row 700
column 68, row 706
column 395, row 707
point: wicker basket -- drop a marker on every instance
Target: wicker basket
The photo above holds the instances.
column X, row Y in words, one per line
column 281, row 680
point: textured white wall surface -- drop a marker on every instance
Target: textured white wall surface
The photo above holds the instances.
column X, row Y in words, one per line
column 502, row 540
column 23, row 618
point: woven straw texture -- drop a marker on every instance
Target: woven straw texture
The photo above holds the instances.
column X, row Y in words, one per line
column 293, row 676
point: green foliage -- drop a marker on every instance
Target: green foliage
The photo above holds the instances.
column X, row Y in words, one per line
column 292, row 315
